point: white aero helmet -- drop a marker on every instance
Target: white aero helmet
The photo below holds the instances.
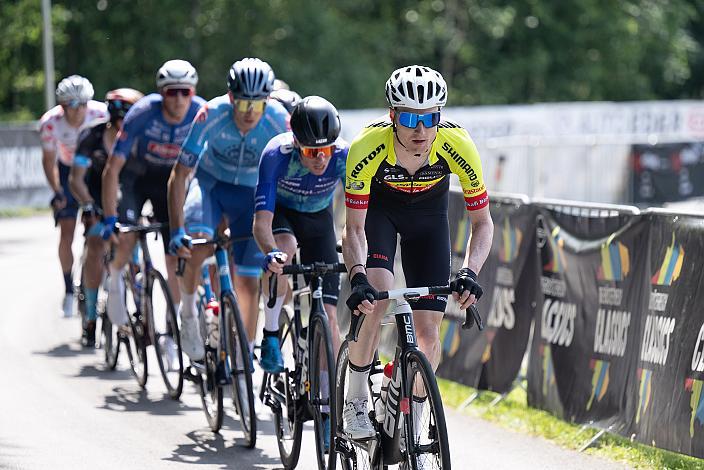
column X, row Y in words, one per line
column 74, row 88
column 176, row 72
column 416, row 86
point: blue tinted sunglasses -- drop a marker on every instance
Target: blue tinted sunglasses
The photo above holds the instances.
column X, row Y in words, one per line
column 411, row 120
column 75, row 104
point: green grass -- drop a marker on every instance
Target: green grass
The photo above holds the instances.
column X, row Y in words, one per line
column 514, row 414
column 23, row 212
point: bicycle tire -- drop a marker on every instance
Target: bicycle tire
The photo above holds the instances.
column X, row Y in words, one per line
column 287, row 425
column 238, row 347
column 135, row 343
column 211, row 393
column 173, row 377
column 349, row 455
column 321, row 347
column 111, row 338
column 417, row 365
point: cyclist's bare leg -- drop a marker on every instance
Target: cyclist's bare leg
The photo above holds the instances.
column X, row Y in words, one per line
column 67, row 227
column 171, row 278
column 123, row 250
column 362, row 350
column 247, row 289
column 427, row 325
column 93, row 264
column 331, row 310
column 188, row 283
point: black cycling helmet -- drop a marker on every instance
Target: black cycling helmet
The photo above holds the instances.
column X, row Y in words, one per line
column 250, row 79
column 287, row 98
column 315, row 122
column 119, row 101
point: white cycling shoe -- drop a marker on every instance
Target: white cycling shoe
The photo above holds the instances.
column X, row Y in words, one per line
column 356, row 422
column 170, row 352
column 191, row 341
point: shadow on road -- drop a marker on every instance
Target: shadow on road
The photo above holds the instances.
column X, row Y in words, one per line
column 139, row 401
column 103, row 373
column 71, row 349
column 8, row 454
column 213, row 449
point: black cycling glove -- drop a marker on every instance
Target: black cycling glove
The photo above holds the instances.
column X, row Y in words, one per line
column 466, row 280
column 361, row 291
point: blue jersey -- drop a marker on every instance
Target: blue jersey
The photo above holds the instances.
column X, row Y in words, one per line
column 217, row 146
column 153, row 139
column 284, row 180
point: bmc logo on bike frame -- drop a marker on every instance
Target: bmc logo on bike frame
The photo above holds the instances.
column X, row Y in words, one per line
column 392, row 403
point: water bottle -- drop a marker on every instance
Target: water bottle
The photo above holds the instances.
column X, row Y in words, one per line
column 212, row 311
column 375, row 380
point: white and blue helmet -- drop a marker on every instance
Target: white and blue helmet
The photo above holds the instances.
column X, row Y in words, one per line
column 251, row 79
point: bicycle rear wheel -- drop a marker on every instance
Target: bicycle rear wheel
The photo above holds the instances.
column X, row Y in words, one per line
column 211, row 392
column 241, row 366
column 350, row 454
column 429, row 447
column 164, row 333
column 287, row 423
column 135, row 333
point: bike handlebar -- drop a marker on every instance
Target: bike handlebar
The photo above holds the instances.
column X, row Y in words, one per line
column 315, row 269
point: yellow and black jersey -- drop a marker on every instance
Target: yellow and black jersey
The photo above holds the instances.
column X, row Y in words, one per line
column 371, row 167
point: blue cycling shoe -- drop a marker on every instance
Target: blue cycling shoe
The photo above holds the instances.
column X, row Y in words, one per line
column 271, row 361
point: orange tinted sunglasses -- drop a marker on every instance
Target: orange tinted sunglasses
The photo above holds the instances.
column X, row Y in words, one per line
column 315, row 152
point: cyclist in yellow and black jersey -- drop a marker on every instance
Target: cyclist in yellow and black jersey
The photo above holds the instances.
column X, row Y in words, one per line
column 397, row 184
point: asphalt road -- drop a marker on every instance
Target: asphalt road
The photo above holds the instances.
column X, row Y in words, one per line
column 60, row 409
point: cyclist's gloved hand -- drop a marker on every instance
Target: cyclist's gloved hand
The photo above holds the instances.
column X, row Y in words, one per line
column 273, row 260
column 180, row 240
column 466, row 285
column 108, row 227
column 361, row 291
column 58, row 202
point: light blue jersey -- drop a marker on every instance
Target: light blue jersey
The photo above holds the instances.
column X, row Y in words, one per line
column 217, row 146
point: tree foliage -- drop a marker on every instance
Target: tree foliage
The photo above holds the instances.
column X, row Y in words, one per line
column 490, row 51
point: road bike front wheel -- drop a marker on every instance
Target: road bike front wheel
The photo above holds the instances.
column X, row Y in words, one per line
column 135, row 333
column 211, row 392
column 164, row 332
column 110, row 338
column 428, row 447
column 241, row 367
column 350, row 454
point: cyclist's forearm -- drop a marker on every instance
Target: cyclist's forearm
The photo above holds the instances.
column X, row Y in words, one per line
column 479, row 245
column 354, row 248
column 78, row 185
column 262, row 231
column 177, row 195
column 51, row 170
column 110, row 182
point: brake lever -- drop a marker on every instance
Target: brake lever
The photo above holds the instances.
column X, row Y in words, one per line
column 471, row 317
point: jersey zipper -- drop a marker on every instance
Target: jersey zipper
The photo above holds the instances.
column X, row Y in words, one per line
column 239, row 163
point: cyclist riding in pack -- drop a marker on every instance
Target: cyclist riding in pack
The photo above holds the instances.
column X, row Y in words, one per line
column 58, row 129
column 85, row 181
column 398, row 184
column 225, row 142
column 146, row 148
column 298, row 175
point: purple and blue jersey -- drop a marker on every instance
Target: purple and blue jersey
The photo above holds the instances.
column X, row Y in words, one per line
column 218, row 148
column 285, row 181
column 154, row 140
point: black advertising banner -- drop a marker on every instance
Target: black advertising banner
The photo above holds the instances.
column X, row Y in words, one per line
column 667, row 172
column 666, row 403
column 586, row 333
column 491, row 359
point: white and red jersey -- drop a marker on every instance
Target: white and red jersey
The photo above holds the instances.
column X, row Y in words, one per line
column 58, row 136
